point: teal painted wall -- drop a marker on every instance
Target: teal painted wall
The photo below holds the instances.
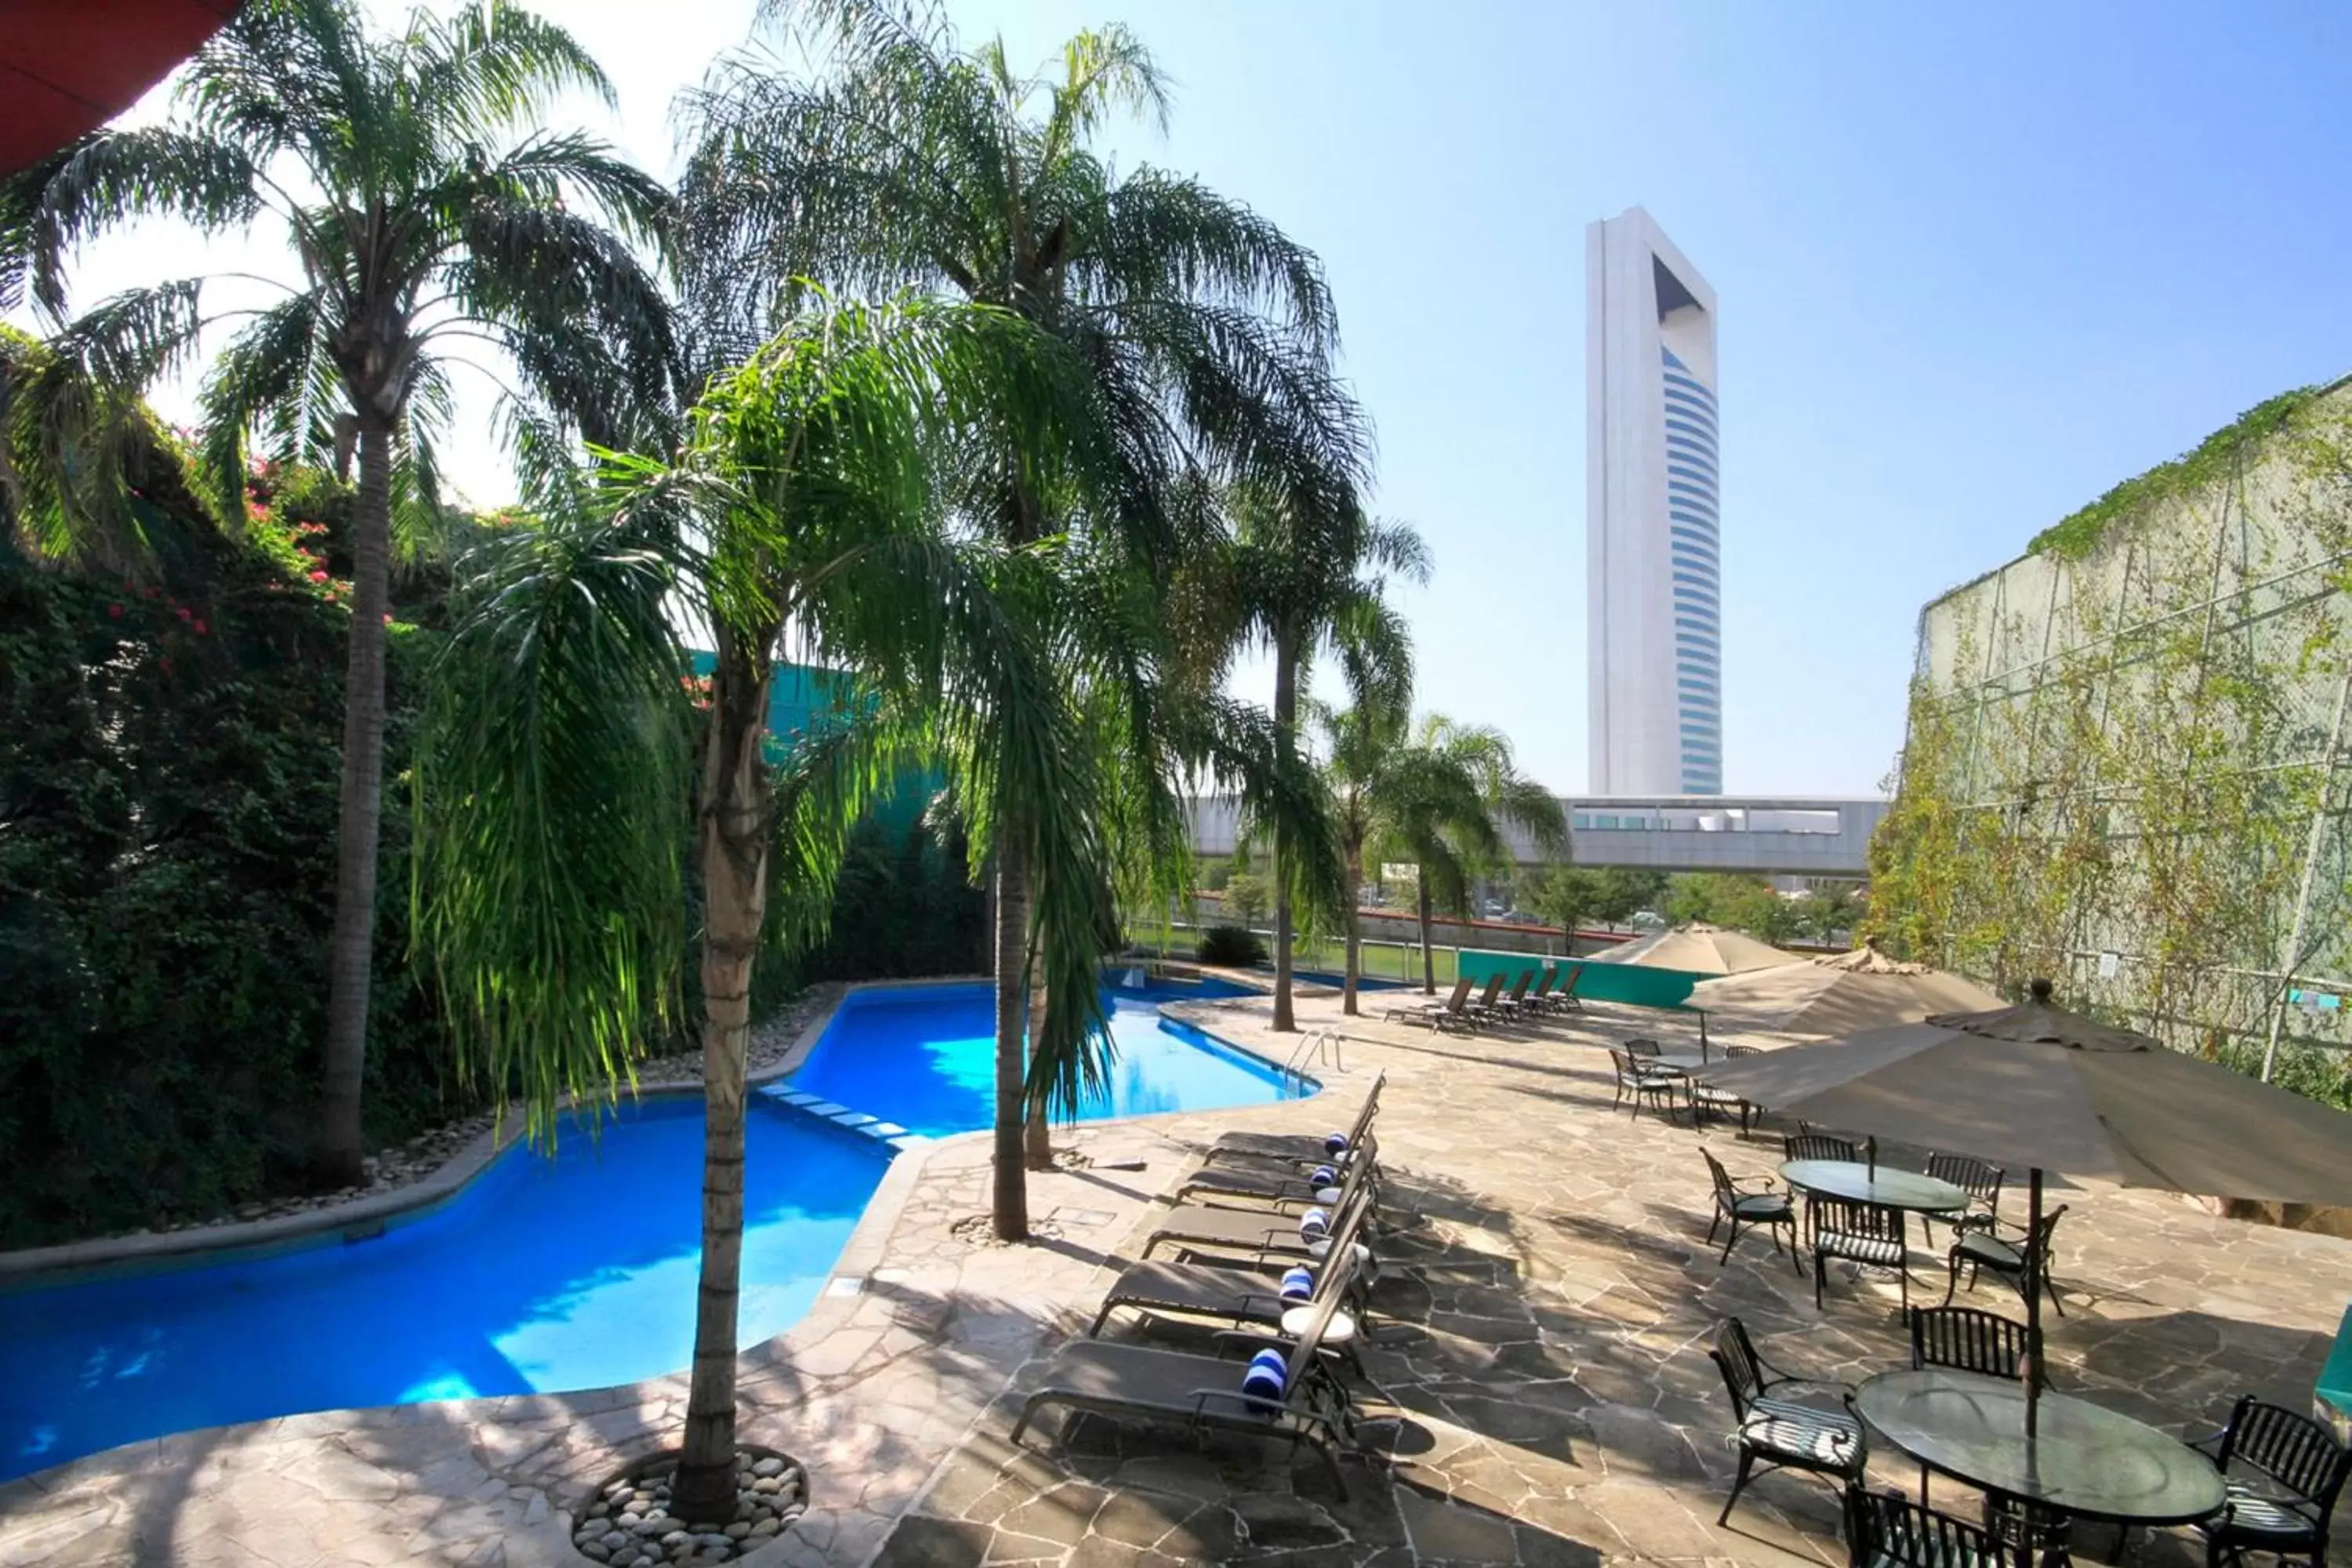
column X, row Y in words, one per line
column 1633, row 983
column 797, row 694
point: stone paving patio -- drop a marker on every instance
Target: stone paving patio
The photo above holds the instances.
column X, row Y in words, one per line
column 1545, row 1298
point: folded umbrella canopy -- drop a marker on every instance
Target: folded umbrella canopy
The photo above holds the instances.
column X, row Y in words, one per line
column 1699, row 948
column 1864, row 989
column 2037, row 1087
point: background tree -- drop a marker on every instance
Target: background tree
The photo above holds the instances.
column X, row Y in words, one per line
column 1297, row 579
column 429, row 212
column 1207, row 333
column 558, row 783
column 1456, row 788
column 1567, row 896
column 1370, row 773
column 1621, row 894
column 1828, row 913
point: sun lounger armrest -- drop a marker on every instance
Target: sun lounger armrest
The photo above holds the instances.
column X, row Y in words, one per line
column 1249, row 1340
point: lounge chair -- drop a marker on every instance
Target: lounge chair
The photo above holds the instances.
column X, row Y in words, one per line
column 1238, row 1296
column 1203, row 1393
column 1564, row 999
column 1513, row 1004
column 1306, row 1149
column 1261, row 1234
column 1274, row 1185
column 1434, row 1014
column 1480, row 1008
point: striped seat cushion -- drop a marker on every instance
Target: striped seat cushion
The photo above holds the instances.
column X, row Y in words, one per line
column 1784, row 1429
column 1859, row 1248
column 2250, row 1512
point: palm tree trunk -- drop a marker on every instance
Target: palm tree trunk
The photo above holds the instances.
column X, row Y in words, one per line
column 1354, row 886
column 1428, row 962
column 733, row 835
column 1011, row 1195
column 1285, row 728
column 350, row 958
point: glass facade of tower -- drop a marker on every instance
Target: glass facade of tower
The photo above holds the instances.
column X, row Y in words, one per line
column 1696, row 554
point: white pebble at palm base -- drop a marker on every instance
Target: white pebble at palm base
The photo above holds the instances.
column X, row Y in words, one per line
column 629, row 1524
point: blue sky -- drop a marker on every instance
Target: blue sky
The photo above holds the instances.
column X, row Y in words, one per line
column 1974, row 266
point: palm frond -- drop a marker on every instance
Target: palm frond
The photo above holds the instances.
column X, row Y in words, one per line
column 549, row 890
column 105, row 178
column 279, row 369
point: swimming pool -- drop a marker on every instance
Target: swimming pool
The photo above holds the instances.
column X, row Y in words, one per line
column 925, row 1057
column 541, row 1276
column 548, row 1275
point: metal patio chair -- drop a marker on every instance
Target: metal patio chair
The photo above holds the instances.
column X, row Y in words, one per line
column 1732, row 1204
column 1868, row 1236
column 2306, row 1467
column 2001, row 1251
column 1780, row 1433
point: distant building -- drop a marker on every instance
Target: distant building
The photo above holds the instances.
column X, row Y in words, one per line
column 1655, row 621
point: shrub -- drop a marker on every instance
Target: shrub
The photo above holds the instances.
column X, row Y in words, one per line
column 1231, row 947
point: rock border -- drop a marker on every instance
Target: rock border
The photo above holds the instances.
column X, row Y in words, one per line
column 771, row 1494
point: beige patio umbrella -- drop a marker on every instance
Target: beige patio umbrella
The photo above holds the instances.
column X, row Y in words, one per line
column 1699, row 948
column 1864, row 989
column 2038, row 1087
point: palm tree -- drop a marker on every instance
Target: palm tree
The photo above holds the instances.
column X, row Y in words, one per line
column 429, row 212
column 1364, row 752
column 1453, row 789
column 1207, row 333
column 557, row 774
column 1298, row 578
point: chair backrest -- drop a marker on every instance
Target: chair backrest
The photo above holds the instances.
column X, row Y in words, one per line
column 1494, row 989
column 1734, row 1355
column 1519, row 991
column 1967, row 1339
column 1872, row 1222
column 1818, row 1146
column 1544, row 978
column 2291, row 1450
column 1371, row 1108
column 1460, row 994
column 1574, row 974
column 1624, row 1066
column 1975, row 1177
column 1340, row 1268
column 1888, row 1528
column 1642, row 1048
column 1731, row 1051
column 1723, row 1187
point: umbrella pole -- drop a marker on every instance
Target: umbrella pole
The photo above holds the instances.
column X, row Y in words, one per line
column 2032, row 1369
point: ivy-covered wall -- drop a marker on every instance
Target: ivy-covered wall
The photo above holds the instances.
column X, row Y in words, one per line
column 2126, row 760
column 168, row 748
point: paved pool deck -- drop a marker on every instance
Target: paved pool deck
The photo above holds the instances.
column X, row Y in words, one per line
column 1546, row 1297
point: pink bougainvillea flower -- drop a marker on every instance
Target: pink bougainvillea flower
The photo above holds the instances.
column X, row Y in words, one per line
column 165, row 665
column 387, row 619
column 181, row 612
column 114, row 610
column 199, row 627
column 318, row 576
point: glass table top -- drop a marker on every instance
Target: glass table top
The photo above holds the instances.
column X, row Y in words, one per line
column 1887, row 1186
column 2083, row 1459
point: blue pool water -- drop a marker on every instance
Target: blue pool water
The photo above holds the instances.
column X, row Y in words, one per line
column 543, row 1275
column 925, row 1057
column 546, row 1275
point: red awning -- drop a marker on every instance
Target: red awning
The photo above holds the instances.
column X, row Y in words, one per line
column 70, row 65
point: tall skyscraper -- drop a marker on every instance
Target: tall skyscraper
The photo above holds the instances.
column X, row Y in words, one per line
column 1651, row 524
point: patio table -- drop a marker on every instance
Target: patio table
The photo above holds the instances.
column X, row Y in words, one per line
column 2082, row 1459
column 1884, row 1185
